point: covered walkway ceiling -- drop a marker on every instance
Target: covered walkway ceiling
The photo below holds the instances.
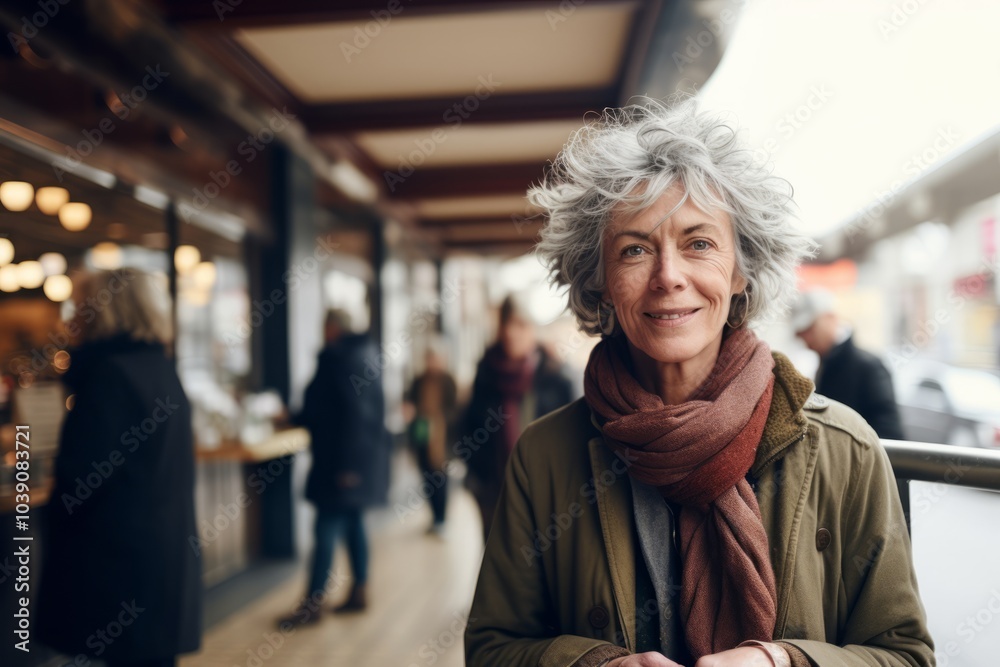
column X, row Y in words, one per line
column 450, row 108
column 436, row 114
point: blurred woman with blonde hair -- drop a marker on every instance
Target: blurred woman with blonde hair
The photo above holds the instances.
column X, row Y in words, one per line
column 121, row 547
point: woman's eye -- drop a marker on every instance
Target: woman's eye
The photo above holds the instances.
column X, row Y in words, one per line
column 633, row 251
column 701, row 245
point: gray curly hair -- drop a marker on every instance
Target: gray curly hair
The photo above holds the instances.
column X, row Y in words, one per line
column 623, row 161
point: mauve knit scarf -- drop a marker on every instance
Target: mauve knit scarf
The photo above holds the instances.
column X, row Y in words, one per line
column 698, row 453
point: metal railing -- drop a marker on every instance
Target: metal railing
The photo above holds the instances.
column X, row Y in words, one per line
column 949, row 464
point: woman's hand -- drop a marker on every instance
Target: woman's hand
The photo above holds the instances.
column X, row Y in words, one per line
column 746, row 656
column 650, row 659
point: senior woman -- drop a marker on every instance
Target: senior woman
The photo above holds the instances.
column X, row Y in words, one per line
column 121, row 518
column 700, row 506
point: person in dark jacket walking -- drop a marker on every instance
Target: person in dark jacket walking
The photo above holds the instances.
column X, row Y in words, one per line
column 344, row 410
column 517, row 381
column 848, row 374
column 120, row 581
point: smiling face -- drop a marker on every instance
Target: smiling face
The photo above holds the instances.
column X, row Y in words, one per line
column 671, row 282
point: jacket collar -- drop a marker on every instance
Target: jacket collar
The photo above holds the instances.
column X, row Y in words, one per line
column 786, row 422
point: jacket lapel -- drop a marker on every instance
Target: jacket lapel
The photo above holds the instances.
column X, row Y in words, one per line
column 614, row 504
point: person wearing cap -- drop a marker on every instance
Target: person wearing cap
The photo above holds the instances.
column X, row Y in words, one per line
column 848, row 374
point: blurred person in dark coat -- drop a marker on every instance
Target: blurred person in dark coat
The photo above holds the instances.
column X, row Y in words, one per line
column 120, row 581
column 344, row 410
column 517, row 381
column 433, row 396
column 846, row 373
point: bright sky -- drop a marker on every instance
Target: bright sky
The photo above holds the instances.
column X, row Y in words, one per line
column 886, row 80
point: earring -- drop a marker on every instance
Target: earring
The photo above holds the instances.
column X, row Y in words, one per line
column 746, row 308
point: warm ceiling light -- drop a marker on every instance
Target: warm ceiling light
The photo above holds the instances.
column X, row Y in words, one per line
column 75, row 216
column 61, row 360
column 51, row 199
column 6, row 251
column 204, row 275
column 8, row 278
column 53, row 263
column 30, row 274
column 58, row 288
column 106, row 256
column 186, row 257
column 16, row 195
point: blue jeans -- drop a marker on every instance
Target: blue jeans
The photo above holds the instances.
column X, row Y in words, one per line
column 351, row 523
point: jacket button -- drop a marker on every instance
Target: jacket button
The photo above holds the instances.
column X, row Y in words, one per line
column 598, row 617
column 823, row 539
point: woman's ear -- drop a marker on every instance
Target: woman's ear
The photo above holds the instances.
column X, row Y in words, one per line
column 739, row 283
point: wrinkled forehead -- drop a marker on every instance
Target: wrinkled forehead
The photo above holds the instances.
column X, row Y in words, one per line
column 678, row 203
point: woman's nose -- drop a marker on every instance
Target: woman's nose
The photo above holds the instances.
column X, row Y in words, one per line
column 668, row 273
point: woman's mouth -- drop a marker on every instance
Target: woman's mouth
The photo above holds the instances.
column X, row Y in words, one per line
column 673, row 317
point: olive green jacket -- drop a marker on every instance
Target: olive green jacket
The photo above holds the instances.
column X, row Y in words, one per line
column 558, row 578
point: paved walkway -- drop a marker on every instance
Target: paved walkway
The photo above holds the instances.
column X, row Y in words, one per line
column 420, row 589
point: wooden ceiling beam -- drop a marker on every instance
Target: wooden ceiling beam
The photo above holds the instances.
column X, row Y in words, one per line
column 225, row 15
column 465, row 181
column 449, row 111
column 432, row 223
column 491, row 248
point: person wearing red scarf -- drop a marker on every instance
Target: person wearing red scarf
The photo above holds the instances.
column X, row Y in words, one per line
column 672, row 240
column 516, row 382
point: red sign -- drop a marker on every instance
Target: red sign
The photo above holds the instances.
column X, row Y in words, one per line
column 972, row 286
